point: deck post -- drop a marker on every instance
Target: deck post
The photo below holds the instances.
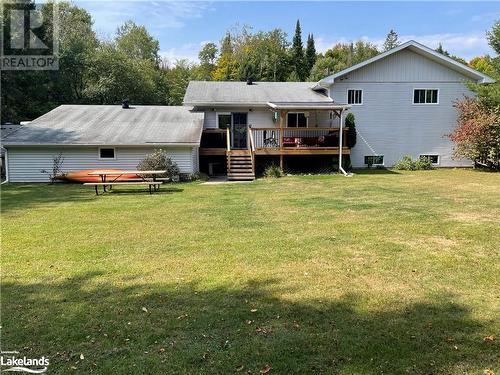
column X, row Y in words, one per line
column 282, row 119
column 341, row 131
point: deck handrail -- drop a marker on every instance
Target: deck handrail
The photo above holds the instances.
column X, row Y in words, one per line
column 275, row 136
column 228, row 139
column 251, row 146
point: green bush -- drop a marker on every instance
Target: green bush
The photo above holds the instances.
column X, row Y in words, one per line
column 408, row 164
column 351, row 130
column 159, row 160
column 273, row 171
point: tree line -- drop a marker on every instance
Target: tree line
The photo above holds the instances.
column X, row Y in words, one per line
column 99, row 71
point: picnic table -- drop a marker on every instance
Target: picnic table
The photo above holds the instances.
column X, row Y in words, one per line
column 110, row 178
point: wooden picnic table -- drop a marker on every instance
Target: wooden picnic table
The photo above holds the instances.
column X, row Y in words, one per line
column 103, row 174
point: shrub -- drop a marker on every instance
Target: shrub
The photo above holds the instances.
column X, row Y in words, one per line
column 273, row 171
column 477, row 135
column 159, row 160
column 56, row 172
column 351, row 130
column 408, row 164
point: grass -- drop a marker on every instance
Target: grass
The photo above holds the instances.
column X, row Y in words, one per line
column 384, row 272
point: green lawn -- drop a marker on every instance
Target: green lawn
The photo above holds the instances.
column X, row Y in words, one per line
column 393, row 273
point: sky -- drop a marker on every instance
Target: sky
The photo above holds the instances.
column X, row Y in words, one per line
column 183, row 27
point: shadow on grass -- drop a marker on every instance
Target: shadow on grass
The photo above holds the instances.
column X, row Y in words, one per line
column 19, row 196
column 137, row 191
column 375, row 171
column 186, row 328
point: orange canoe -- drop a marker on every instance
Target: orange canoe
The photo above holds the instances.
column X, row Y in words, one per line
column 83, row 176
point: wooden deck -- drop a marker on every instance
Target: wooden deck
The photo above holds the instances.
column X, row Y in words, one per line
column 302, row 151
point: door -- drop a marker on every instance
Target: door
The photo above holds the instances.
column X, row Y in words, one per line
column 239, row 130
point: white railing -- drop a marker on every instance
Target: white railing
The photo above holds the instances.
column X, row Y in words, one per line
column 295, row 137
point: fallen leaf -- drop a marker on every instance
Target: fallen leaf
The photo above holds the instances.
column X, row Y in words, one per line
column 183, row 316
column 253, row 310
column 265, row 369
column 81, row 356
column 490, row 338
column 161, row 350
column 239, row 368
column 144, row 309
column 263, row 330
column 249, row 322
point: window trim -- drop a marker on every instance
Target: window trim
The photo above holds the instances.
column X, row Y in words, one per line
column 424, row 88
column 438, row 156
column 375, row 156
column 107, row 148
column 217, row 118
column 347, row 96
column 296, row 127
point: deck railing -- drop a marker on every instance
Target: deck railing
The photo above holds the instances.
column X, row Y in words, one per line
column 296, row 137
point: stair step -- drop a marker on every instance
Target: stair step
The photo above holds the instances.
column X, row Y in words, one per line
column 240, row 165
column 240, row 174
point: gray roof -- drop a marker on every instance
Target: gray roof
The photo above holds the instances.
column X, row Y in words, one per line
column 217, row 93
column 111, row 125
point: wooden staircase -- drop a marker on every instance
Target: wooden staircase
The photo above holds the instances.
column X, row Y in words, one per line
column 240, row 166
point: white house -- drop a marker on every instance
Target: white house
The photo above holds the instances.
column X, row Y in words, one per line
column 402, row 100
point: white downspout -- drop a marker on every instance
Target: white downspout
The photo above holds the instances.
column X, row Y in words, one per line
column 6, row 160
column 341, row 132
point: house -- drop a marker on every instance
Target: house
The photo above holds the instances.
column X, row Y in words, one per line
column 402, row 100
column 102, row 136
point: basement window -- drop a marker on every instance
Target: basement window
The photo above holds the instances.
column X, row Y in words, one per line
column 106, row 153
column 434, row 159
column 425, row 96
column 374, row 160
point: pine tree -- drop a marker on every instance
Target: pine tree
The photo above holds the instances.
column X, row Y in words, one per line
column 310, row 54
column 298, row 53
column 391, row 40
column 441, row 50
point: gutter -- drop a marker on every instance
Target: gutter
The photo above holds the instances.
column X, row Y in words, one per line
column 5, row 145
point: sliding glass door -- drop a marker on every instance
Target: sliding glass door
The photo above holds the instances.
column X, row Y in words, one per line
column 237, row 122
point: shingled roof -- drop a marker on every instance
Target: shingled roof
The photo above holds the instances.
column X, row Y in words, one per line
column 111, row 125
column 258, row 94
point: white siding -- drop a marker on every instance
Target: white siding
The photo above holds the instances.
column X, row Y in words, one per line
column 389, row 121
column 210, row 120
column 195, row 157
column 404, row 66
column 25, row 163
column 394, row 126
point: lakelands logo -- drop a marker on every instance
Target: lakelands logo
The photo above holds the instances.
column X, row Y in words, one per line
column 11, row 362
column 29, row 35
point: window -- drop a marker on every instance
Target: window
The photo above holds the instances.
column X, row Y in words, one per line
column 425, row 96
column 434, row 159
column 354, row 96
column 223, row 120
column 296, row 120
column 106, row 153
column 374, row 160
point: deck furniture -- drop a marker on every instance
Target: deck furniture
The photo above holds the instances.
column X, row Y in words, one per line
column 110, row 178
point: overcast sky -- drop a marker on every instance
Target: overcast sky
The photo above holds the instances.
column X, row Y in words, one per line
column 183, row 27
